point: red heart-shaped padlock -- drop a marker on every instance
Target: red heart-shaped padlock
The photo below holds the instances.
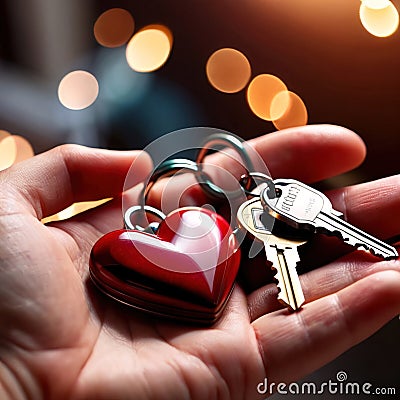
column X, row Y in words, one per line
column 186, row 271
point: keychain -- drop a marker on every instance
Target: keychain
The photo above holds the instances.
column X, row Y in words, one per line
column 185, row 269
column 183, row 266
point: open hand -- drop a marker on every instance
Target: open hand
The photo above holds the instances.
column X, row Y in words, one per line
column 60, row 338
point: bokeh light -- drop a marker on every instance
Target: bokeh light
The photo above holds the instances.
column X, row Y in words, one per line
column 8, row 152
column 163, row 29
column 24, row 149
column 379, row 17
column 295, row 113
column 78, row 90
column 114, row 27
column 13, row 149
column 149, row 49
column 228, row 70
column 3, row 134
column 376, row 4
column 260, row 93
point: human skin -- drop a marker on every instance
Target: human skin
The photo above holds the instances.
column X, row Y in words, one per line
column 60, row 338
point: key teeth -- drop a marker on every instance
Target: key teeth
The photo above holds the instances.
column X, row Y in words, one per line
column 379, row 253
column 277, row 273
column 276, row 277
column 371, row 250
column 368, row 249
column 353, row 242
column 335, row 233
column 281, row 296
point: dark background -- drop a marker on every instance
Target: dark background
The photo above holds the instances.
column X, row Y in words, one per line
column 344, row 75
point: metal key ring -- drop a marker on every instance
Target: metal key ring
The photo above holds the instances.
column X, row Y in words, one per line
column 221, row 139
column 165, row 169
column 144, row 209
column 266, row 179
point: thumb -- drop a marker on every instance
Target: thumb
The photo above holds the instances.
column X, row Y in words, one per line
column 51, row 181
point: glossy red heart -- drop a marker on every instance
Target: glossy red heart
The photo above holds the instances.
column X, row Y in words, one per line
column 187, row 270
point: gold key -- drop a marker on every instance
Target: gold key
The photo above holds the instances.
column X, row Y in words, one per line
column 281, row 250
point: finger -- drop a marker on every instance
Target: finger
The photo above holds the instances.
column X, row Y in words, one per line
column 296, row 344
column 323, row 281
column 310, row 153
column 307, row 153
column 373, row 206
column 54, row 180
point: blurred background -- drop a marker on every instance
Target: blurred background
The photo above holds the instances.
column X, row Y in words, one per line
column 155, row 66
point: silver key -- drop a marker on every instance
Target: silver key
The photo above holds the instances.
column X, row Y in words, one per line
column 301, row 206
column 280, row 251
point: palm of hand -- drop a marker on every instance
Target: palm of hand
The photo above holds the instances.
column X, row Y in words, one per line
column 59, row 339
column 98, row 349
